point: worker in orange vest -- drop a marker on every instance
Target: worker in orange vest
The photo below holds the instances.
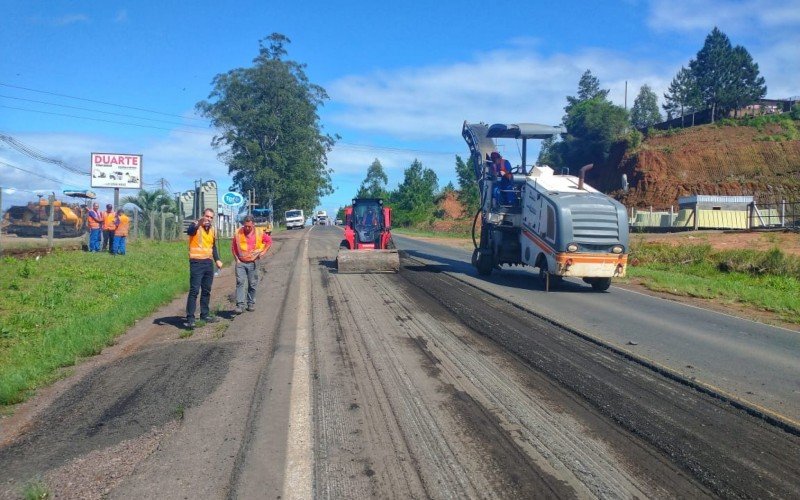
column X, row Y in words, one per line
column 247, row 246
column 203, row 254
column 123, row 224
column 94, row 221
column 109, row 226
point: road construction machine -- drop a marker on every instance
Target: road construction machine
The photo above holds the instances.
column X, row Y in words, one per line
column 536, row 217
column 367, row 246
column 31, row 220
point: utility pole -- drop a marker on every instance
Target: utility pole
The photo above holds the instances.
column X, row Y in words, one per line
column 626, row 94
column 51, row 220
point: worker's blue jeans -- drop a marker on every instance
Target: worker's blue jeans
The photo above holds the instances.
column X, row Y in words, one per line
column 94, row 240
column 119, row 244
column 246, row 277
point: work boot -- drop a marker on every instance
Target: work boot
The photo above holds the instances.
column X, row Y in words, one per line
column 238, row 310
column 251, row 307
column 189, row 322
column 210, row 319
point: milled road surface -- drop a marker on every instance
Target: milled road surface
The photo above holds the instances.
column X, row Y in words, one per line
column 404, row 385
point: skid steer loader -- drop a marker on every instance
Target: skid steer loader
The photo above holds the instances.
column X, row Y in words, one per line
column 367, row 246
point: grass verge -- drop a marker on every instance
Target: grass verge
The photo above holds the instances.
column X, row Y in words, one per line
column 766, row 280
column 68, row 305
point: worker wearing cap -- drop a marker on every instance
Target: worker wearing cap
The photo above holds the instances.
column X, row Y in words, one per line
column 123, row 224
column 94, row 222
column 109, row 226
column 247, row 246
column 203, row 254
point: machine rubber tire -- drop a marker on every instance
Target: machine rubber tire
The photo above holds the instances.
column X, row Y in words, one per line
column 344, row 245
column 484, row 264
column 601, row 284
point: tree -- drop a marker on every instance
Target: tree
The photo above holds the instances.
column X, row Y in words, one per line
column 268, row 128
column 374, row 186
column 588, row 88
column 644, row 112
column 151, row 204
column 592, row 127
column 467, row 184
column 413, row 201
column 747, row 86
column 726, row 77
column 683, row 95
column 549, row 153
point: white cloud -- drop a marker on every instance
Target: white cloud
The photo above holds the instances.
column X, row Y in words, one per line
column 510, row 85
column 733, row 17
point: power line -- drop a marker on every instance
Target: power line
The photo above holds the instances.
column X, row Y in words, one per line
column 32, row 173
column 103, row 112
column 38, row 155
column 98, row 102
column 101, row 120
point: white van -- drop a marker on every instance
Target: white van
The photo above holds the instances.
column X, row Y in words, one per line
column 294, row 218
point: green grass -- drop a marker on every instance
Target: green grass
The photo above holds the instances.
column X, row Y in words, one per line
column 36, row 489
column 766, row 280
column 71, row 304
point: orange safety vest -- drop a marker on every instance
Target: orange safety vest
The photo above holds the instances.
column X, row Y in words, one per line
column 109, row 223
column 201, row 244
column 91, row 220
column 246, row 255
column 124, row 226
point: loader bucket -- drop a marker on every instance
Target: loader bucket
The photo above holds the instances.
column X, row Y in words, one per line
column 367, row 261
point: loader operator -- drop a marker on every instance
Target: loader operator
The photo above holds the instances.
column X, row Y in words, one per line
column 248, row 245
column 109, row 226
column 203, row 254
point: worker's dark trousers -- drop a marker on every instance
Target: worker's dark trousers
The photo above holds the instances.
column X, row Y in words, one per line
column 201, row 277
column 108, row 240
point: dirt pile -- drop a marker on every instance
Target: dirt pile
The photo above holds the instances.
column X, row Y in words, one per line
column 710, row 160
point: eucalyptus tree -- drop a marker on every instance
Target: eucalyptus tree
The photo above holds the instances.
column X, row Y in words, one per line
column 413, row 201
column 268, row 130
column 374, row 185
column 467, row 184
column 644, row 112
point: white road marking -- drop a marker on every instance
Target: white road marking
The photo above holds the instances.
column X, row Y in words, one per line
column 298, row 482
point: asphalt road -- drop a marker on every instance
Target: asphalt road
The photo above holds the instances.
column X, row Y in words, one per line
column 419, row 384
column 751, row 361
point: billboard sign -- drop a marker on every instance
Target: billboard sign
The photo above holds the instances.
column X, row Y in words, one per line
column 233, row 199
column 114, row 170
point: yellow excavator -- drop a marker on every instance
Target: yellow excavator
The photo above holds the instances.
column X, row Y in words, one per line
column 30, row 221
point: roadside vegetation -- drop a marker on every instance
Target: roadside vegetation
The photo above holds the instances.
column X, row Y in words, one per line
column 768, row 280
column 67, row 305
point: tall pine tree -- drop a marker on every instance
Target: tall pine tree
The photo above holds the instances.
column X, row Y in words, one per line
column 727, row 77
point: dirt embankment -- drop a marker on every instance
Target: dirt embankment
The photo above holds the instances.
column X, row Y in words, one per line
column 709, row 159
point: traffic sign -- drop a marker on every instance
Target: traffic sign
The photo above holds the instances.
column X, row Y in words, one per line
column 233, row 199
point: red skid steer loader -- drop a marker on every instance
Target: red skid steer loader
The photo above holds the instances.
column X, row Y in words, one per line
column 367, row 246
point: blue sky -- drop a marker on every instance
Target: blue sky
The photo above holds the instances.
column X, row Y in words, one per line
column 402, row 76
